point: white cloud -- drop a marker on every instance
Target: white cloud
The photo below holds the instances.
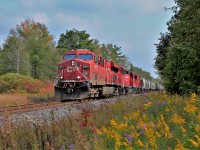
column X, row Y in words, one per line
column 27, row 3
column 36, row 3
column 40, row 17
column 70, row 20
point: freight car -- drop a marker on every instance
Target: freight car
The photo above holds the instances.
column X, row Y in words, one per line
column 84, row 74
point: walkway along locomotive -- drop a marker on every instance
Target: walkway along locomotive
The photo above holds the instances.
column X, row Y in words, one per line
column 84, row 74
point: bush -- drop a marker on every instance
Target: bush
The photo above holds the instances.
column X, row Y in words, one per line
column 16, row 83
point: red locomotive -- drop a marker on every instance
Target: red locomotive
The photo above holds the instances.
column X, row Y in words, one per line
column 83, row 74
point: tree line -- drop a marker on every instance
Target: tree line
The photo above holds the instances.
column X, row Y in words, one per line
column 31, row 50
column 178, row 50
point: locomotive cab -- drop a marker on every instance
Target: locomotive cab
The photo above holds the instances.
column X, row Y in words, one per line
column 73, row 81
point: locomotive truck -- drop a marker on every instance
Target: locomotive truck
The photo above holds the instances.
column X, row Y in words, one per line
column 84, row 74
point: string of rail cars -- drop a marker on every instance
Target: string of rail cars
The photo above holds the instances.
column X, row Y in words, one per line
column 84, row 74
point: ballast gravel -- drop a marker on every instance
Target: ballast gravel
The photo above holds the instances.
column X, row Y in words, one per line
column 54, row 113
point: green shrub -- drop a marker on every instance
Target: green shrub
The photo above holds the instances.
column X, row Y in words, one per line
column 16, row 83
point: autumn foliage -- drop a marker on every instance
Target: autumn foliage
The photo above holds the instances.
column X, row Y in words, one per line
column 16, row 83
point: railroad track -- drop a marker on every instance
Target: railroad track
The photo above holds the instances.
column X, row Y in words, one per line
column 8, row 110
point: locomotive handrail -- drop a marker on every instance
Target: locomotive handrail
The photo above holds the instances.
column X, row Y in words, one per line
column 57, row 78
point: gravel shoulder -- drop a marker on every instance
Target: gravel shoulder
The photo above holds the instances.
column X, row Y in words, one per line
column 59, row 112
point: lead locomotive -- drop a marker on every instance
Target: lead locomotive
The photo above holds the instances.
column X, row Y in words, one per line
column 84, row 74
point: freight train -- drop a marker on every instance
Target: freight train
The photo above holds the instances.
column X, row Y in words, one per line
column 84, row 74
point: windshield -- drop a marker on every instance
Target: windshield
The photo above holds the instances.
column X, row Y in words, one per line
column 85, row 56
column 69, row 56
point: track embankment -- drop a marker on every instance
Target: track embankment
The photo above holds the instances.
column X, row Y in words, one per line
column 38, row 113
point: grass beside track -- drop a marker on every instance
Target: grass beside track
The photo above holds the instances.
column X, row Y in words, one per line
column 18, row 99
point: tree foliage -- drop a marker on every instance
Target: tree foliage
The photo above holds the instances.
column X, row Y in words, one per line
column 181, row 65
column 14, row 56
column 30, row 50
column 74, row 39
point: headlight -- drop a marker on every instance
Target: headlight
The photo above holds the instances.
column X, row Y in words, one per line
column 61, row 77
column 78, row 77
column 72, row 62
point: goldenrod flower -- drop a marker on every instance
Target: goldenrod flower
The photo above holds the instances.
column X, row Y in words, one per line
column 183, row 129
column 98, row 132
column 144, row 117
column 113, row 122
column 104, row 129
column 198, row 138
column 162, row 117
column 148, row 105
column 135, row 114
column 167, row 131
column 179, row 146
column 167, row 109
column 150, row 134
column 193, row 98
column 158, row 134
column 140, row 143
column 135, row 134
column 177, row 119
column 198, row 117
column 197, row 128
column 194, row 143
column 125, row 118
column 190, row 108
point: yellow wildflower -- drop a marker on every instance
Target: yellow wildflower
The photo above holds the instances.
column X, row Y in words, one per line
column 140, row 143
column 193, row 98
column 117, row 144
column 158, row 134
column 167, row 131
column 167, row 109
column 144, row 117
column 150, row 134
column 162, row 117
column 135, row 134
column 183, row 129
column 198, row 117
column 194, row 143
column 122, row 126
column 104, row 129
column 125, row 144
column 159, row 124
column 190, row 108
column 179, row 145
column 98, row 132
column 135, row 114
column 148, row 105
column 125, row 118
column 177, row 119
column 113, row 123
column 198, row 138
column 197, row 128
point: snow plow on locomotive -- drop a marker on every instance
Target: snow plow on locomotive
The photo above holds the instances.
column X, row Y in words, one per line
column 83, row 74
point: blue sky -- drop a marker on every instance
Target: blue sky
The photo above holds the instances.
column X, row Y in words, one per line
column 133, row 25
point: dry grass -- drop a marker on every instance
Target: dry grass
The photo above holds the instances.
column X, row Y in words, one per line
column 7, row 100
